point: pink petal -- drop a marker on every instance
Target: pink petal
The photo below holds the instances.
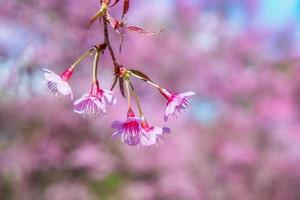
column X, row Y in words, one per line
column 82, row 98
column 99, row 104
column 117, row 124
column 48, row 71
column 166, row 130
column 157, row 130
column 148, row 139
column 170, row 109
column 110, row 99
column 64, row 88
column 79, row 106
column 52, row 77
column 186, row 94
column 115, row 134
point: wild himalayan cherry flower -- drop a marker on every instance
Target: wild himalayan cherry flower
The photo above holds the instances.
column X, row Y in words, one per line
column 93, row 104
column 57, row 84
column 130, row 130
column 151, row 135
column 176, row 102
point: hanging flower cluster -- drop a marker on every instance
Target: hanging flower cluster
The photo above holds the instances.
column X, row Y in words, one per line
column 134, row 130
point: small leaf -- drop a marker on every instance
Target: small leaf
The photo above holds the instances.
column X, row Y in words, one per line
column 141, row 74
column 121, row 84
column 125, row 8
column 99, row 14
column 114, row 83
column 141, row 31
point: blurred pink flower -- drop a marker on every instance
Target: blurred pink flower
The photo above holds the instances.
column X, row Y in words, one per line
column 176, row 102
column 96, row 161
column 130, row 130
column 58, row 85
column 70, row 190
column 94, row 102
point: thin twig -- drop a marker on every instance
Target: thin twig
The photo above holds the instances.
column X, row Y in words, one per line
column 137, row 100
column 107, row 41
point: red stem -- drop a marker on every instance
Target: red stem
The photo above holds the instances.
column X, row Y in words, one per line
column 107, row 42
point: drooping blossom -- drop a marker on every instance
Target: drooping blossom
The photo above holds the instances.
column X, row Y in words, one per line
column 151, row 134
column 130, row 130
column 176, row 102
column 93, row 104
column 57, row 84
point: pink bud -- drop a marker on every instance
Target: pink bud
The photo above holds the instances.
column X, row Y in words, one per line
column 67, row 73
column 130, row 113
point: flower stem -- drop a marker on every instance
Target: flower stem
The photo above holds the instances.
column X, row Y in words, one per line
column 147, row 81
column 81, row 58
column 137, row 101
column 107, row 42
column 95, row 65
column 127, row 82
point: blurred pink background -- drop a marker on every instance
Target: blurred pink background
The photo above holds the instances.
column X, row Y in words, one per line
column 239, row 139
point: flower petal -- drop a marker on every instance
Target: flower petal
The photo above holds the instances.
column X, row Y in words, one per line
column 109, row 98
column 117, row 124
column 48, row 71
column 99, row 103
column 148, row 138
column 186, row 94
column 83, row 97
column 64, row 88
column 115, row 134
column 157, row 130
column 166, row 130
column 81, row 103
column 170, row 109
column 52, row 77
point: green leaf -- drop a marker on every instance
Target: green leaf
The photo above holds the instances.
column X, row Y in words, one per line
column 114, row 83
column 121, row 84
column 141, row 74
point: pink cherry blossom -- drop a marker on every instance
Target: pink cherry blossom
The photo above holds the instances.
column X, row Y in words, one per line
column 57, row 84
column 130, row 130
column 176, row 102
column 136, row 131
column 93, row 104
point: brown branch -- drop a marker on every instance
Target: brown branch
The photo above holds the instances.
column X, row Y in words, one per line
column 111, row 51
column 107, row 42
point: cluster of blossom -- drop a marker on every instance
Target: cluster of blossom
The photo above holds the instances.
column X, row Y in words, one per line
column 134, row 130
